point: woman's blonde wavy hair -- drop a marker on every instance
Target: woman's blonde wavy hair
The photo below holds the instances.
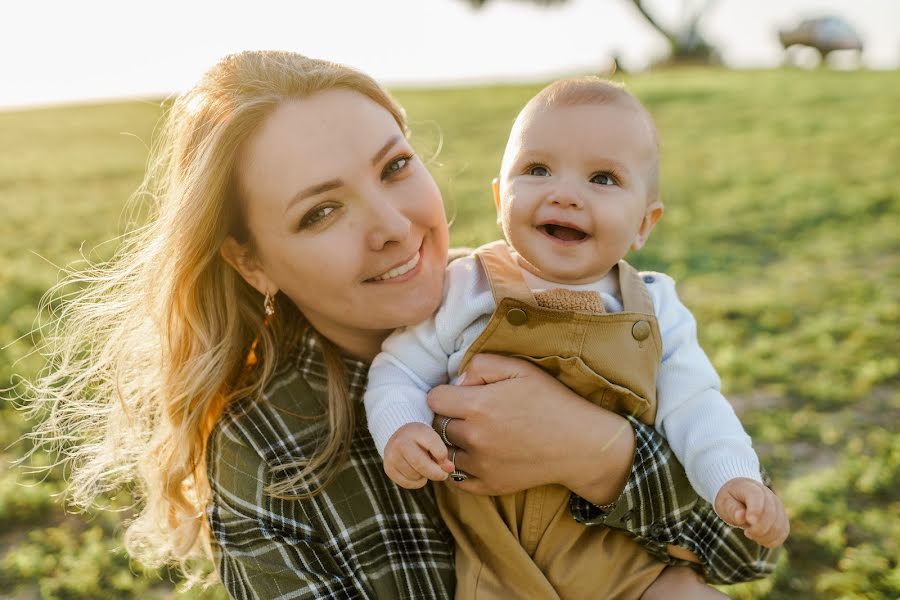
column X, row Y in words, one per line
column 147, row 354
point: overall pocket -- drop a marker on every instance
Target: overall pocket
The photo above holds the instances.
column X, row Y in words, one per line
column 587, row 383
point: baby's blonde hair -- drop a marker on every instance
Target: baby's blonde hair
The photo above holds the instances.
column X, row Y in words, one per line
column 578, row 91
column 146, row 356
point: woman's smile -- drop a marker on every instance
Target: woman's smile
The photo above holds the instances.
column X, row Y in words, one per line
column 399, row 273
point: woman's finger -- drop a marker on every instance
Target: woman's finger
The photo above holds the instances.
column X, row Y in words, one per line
column 453, row 430
column 463, row 461
column 530, row 429
column 451, row 401
column 491, row 368
column 484, row 369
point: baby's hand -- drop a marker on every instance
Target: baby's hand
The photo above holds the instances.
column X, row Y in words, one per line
column 415, row 454
column 753, row 507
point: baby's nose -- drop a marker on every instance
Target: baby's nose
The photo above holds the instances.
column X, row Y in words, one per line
column 565, row 197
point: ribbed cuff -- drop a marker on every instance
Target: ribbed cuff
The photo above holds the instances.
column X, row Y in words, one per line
column 713, row 475
column 386, row 422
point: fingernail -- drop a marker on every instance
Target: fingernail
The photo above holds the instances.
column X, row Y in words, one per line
column 461, row 380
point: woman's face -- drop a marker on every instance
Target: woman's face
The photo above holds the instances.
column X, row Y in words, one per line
column 346, row 219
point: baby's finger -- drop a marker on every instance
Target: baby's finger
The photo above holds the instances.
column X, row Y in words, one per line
column 784, row 525
column 762, row 518
column 422, row 462
column 731, row 510
column 404, row 475
column 762, row 531
column 438, row 451
column 778, row 531
column 407, row 468
column 755, row 500
column 767, row 539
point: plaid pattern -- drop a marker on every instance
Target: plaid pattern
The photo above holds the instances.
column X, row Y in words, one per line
column 658, row 507
column 365, row 537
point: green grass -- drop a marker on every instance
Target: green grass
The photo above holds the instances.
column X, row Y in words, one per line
column 782, row 194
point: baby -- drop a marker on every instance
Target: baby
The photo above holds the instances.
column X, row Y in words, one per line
column 578, row 189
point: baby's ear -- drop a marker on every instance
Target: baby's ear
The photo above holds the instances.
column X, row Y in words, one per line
column 653, row 214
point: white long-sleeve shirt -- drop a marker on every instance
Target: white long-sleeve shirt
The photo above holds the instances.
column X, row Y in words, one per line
column 697, row 421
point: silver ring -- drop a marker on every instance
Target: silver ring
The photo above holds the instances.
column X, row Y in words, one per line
column 444, row 422
column 457, row 475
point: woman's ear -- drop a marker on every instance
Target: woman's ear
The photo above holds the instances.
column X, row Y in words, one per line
column 247, row 265
column 651, row 216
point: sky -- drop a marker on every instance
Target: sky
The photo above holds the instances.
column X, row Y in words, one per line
column 63, row 51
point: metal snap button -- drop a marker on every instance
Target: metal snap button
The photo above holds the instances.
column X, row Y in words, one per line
column 516, row 316
column 649, row 278
column 640, row 331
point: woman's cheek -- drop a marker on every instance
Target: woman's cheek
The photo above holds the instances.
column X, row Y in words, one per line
column 327, row 262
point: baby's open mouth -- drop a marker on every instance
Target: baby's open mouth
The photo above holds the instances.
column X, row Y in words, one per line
column 562, row 232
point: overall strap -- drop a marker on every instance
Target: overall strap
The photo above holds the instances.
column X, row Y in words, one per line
column 503, row 273
column 635, row 296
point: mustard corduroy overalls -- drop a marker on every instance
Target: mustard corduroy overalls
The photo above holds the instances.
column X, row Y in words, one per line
column 527, row 545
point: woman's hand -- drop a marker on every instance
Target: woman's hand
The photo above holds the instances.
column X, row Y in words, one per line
column 517, row 427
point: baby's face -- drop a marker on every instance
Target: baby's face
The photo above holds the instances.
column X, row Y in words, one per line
column 574, row 186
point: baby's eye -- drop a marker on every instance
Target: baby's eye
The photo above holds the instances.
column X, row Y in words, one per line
column 538, row 171
column 603, row 179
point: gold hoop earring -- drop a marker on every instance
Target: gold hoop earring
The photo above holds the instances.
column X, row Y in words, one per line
column 269, row 309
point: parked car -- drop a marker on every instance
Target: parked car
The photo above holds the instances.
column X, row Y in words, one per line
column 825, row 34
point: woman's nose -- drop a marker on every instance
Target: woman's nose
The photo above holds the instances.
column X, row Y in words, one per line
column 388, row 223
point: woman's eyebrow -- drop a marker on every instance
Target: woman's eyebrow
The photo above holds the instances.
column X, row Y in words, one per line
column 331, row 184
column 314, row 190
column 384, row 149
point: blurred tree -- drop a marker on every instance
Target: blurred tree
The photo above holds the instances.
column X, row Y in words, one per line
column 686, row 44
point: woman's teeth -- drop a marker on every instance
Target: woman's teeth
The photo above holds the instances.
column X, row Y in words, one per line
column 398, row 271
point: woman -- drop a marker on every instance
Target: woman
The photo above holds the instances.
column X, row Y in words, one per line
column 217, row 363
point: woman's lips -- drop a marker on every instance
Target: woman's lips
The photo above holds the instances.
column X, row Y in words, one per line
column 402, row 272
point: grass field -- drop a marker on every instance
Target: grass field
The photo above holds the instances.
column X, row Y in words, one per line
column 782, row 222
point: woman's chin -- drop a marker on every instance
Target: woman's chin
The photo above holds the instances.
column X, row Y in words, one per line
column 417, row 311
column 419, row 306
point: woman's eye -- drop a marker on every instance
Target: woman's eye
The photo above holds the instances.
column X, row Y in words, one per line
column 538, row 171
column 603, row 179
column 316, row 215
column 396, row 165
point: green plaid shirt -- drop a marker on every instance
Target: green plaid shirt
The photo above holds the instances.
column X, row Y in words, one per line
column 365, row 537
